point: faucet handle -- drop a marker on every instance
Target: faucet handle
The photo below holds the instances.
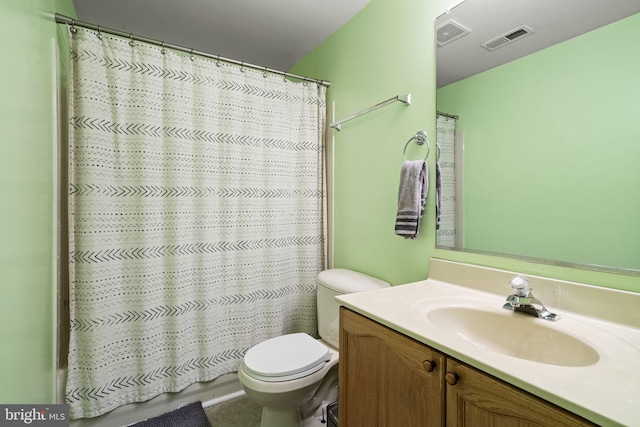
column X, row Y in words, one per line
column 520, row 285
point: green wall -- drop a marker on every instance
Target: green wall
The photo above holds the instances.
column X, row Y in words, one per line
column 28, row 134
column 387, row 49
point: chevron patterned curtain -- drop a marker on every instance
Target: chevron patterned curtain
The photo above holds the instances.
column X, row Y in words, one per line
column 196, row 217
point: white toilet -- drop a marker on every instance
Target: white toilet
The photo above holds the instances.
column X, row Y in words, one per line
column 295, row 373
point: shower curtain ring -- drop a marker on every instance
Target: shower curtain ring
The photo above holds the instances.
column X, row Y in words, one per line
column 242, row 67
column 264, row 73
column 73, row 28
column 218, row 61
column 99, row 35
column 131, row 42
column 285, row 77
column 191, row 55
column 163, row 50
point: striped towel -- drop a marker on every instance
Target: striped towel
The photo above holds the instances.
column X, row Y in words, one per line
column 412, row 195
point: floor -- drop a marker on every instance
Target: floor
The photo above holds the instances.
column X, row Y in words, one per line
column 239, row 412
column 242, row 412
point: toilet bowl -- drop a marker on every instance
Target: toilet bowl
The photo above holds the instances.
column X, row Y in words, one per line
column 282, row 396
column 286, row 374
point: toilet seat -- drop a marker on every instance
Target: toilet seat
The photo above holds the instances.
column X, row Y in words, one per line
column 286, row 358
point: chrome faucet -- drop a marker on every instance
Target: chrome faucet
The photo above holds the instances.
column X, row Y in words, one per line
column 523, row 300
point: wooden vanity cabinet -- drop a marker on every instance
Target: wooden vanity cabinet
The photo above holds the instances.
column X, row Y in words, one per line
column 390, row 380
column 478, row 399
column 386, row 378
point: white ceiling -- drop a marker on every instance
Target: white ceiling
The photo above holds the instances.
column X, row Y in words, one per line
column 268, row 33
column 278, row 33
column 552, row 21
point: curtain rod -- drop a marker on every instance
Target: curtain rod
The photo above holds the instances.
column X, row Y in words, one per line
column 451, row 116
column 62, row 19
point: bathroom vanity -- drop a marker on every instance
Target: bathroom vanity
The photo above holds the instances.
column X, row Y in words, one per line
column 389, row 379
column 444, row 352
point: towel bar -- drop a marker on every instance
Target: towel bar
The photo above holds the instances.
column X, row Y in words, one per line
column 406, row 99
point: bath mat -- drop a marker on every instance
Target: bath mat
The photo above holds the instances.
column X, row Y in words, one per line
column 191, row 415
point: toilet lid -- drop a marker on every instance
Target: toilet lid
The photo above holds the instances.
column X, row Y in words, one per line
column 286, row 357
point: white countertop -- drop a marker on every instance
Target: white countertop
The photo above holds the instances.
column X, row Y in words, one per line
column 606, row 392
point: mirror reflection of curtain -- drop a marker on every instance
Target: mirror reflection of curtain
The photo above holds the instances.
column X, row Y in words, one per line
column 446, row 224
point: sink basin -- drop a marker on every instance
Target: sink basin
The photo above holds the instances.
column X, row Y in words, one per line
column 513, row 334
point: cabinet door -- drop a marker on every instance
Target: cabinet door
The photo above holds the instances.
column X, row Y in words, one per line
column 478, row 399
column 387, row 379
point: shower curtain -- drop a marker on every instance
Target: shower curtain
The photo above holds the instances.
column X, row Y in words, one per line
column 196, row 217
column 445, row 135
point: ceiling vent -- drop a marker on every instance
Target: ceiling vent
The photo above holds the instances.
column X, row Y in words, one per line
column 508, row 37
column 450, row 31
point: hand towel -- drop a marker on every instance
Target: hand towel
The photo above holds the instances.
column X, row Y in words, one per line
column 412, row 195
column 438, row 194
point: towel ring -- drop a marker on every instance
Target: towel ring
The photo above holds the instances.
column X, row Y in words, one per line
column 420, row 137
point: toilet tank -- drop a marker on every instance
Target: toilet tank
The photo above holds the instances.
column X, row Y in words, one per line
column 339, row 281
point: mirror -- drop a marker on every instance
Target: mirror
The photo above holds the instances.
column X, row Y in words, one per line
column 543, row 161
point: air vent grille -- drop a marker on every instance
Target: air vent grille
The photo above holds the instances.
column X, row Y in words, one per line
column 516, row 34
column 450, row 31
column 508, row 37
